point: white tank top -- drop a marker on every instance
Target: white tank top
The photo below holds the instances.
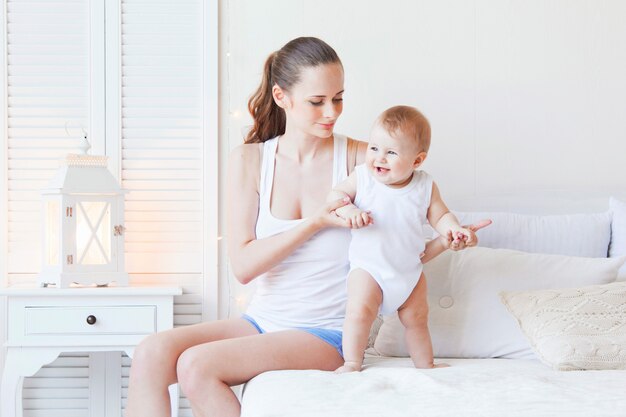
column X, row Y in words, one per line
column 308, row 288
column 389, row 248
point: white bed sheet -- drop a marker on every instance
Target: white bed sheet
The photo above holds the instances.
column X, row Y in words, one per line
column 391, row 387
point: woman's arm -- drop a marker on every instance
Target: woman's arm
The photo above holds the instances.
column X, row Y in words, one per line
column 439, row 245
column 434, row 248
column 250, row 257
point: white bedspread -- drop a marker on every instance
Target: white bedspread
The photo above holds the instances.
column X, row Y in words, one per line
column 391, row 387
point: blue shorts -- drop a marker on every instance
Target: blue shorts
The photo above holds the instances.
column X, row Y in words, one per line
column 332, row 337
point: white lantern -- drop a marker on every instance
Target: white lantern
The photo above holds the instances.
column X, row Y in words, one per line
column 83, row 225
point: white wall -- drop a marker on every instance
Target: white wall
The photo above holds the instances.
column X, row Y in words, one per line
column 521, row 95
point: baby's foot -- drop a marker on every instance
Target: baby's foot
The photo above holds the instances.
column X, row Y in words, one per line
column 432, row 365
column 348, row 367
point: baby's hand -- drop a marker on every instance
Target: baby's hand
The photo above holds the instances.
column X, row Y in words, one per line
column 357, row 218
column 463, row 237
column 466, row 235
column 460, row 238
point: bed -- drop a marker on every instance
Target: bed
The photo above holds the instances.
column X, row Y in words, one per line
column 391, row 387
column 532, row 323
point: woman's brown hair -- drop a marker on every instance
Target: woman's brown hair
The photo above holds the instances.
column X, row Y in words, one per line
column 283, row 68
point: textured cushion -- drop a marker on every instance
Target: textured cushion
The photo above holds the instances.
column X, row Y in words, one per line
column 618, row 233
column 570, row 329
column 545, row 234
column 467, row 319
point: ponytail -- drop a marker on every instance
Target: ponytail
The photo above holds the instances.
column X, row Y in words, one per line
column 269, row 119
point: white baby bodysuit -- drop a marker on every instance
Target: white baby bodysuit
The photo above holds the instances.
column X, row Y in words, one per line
column 389, row 248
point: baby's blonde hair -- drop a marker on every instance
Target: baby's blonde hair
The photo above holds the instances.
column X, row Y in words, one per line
column 408, row 121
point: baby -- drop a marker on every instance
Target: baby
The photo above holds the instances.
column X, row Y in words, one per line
column 392, row 200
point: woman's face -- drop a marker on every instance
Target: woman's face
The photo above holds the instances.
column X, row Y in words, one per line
column 314, row 104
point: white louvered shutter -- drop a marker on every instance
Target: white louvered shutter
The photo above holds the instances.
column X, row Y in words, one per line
column 60, row 389
column 155, row 136
column 162, row 150
column 162, row 135
column 47, row 91
column 47, row 96
column 162, row 145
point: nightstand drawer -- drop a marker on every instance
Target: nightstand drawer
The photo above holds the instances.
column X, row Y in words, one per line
column 97, row 320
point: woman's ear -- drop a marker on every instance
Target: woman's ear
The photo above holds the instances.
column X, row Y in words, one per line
column 279, row 96
column 419, row 159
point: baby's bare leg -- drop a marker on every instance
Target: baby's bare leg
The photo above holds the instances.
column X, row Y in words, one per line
column 414, row 316
column 364, row 298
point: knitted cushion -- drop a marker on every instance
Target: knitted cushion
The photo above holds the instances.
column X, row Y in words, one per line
column 574, row 329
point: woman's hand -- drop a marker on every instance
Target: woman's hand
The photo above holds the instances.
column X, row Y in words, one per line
column 326, row 216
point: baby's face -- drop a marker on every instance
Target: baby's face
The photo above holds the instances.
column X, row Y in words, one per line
column 392, row 159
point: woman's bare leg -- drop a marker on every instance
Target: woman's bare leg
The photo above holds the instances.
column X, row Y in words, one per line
column 153, row 367
column 364, row 298
column 207, row 371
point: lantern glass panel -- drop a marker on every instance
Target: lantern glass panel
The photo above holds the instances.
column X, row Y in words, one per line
column 52, row 237
column 93, row 232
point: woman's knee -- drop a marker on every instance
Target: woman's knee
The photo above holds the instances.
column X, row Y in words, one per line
column 197, row 369
column 155, row 352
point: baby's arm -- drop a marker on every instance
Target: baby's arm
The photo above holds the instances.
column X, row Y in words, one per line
column 446, row 224
column 354, row 216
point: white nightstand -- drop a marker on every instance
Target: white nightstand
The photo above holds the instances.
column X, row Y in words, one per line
column 45, row 322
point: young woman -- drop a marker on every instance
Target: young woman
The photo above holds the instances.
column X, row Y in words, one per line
column 281, row 233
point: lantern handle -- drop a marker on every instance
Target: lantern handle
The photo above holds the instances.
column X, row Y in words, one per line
column 84, row 144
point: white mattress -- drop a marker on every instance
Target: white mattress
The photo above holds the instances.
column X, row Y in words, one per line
column 391, row 387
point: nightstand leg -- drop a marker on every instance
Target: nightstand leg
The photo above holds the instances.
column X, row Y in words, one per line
column 174, row 399
column 21, row 362
column 11, row 391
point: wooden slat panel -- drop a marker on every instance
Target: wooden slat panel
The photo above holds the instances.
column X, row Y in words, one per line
column 162, row 61
column 47, row 89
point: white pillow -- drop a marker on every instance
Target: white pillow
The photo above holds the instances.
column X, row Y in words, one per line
column 573, row 234
column 467, row 319
column 574, row 329
column 618, row 233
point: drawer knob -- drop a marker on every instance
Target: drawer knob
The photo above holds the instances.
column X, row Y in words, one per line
column 91, row 320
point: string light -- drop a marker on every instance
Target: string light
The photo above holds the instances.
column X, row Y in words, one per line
column 241, row 301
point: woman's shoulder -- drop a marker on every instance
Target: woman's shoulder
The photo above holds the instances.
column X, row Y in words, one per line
column 247, row 152
column 245, row 161
column 354, row 142
column 356, row 152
